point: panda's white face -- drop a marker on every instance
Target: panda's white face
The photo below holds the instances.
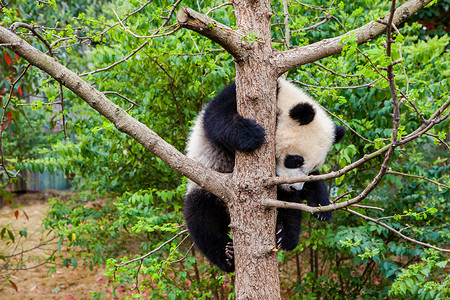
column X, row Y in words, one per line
column 304, row 134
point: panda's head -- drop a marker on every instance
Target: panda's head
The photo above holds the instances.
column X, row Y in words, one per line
column 304, row 134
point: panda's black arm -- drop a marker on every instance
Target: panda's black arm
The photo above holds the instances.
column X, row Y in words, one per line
column 288, row 221
column 225, row 128
column 316, row 194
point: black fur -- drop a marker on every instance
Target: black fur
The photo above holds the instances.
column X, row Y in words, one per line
column 226, row 128
column 206, row 215
column 303, row 113
column 339, row 132
column 293, row 161
column 207, row 219
column 316, row 194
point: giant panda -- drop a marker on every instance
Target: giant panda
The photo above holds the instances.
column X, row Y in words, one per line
column 304, row 135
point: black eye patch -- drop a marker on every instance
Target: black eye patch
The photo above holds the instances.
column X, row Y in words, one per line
column 303, row 113
column 293, row 161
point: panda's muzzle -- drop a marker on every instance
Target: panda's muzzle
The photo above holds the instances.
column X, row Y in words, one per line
column 295, row 187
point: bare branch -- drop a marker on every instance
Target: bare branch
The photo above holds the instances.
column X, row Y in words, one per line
column 439, row 139
column 228, row 38
column 336, row 87
column 153, row 251
column 287, row 31
column 426, row 126
column 282, row 180
column 5, row 107
column 217, row 7
column 396, row 231
column 367, row 207
column 61, row 92
column 287, row 60
column 133, row 104
column 419, row 177
column 208, row 179
column 117, row 62
column 32, row 28
column 146, row 36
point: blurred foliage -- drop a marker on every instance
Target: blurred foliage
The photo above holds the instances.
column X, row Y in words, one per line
column 130, row 202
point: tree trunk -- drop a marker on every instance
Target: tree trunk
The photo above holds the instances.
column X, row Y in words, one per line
column 252, row 224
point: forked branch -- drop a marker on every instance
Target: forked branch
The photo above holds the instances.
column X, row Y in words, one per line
column 287, row 60
column 205, row 177
column 228, row 38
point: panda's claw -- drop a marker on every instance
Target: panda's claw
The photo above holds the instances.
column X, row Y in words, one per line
column 280, row 238
column 279, row 243
column 229, row 256
column 323, row 216
column 229, row 250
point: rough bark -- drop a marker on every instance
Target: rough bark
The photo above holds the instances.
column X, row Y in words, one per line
column 253, row 225
column 248, row 190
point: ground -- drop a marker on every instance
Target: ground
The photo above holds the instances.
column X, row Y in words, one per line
column 37, row 283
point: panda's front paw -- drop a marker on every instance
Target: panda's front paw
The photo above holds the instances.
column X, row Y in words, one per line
column 279, row 237
column 323, row 216
column 249, row 136
column 229, row 256
column 284, row 240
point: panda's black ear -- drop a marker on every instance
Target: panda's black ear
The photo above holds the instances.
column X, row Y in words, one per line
column 339, row 132
column 303, row 113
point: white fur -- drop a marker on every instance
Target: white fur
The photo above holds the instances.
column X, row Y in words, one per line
column 200, row 149
column 312, row 141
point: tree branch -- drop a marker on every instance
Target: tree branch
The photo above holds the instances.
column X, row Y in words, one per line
column 287, row 60
column 307, row 178
column 223, row 35
column 205, row 177
column 396, row 231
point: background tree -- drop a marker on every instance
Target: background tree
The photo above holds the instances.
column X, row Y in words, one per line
column 113, row 162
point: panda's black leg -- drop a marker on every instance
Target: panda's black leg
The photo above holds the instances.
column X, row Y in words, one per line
column 226, row 128
column 207, row 219
column 288, row 222
column 316, row 194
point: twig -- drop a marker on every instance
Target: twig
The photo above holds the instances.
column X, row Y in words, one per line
column 29, row 268
column 396, row 231
column 117, row 62
column 32, row 28
column 342, row 196
column 313, row 26
column 335, row 73
column 151, row 252
column 175, row 100
column 184, row 257
column 272, row 181
column 133, row 104
column 438, row 138
column 172, row 251
column 217, row 7
column 337, row 87
column 287, row 31
column 348, row 126
column 145, row 36
column 367, row 207
column 419, row 177
column 5, row 107
column 61, row 92
column 400, row 216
